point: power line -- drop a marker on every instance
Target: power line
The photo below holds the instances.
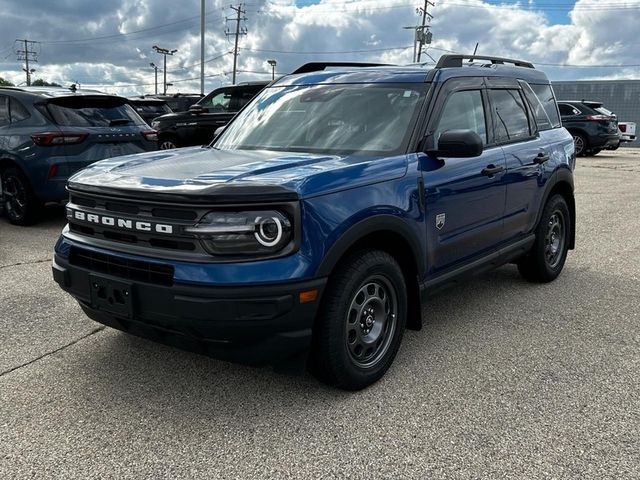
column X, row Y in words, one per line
column 327, row 52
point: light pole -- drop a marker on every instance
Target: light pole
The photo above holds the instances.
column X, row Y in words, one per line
column 273, row 64
column 155, row 69
column 164, row 52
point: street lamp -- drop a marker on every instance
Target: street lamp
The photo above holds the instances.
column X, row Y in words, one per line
column 273, row 64
column 164, row 52
column 155, row 68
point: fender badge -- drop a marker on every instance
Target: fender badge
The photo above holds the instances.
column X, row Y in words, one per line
column 440, row 219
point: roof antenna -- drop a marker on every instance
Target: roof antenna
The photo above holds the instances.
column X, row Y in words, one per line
column 475, row 50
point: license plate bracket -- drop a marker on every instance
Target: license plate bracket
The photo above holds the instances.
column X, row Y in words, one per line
column 112, row 296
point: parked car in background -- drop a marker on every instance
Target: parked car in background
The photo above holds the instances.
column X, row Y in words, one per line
column 593, row 127
column 149, row 108
column 197, row 126
column 179, row 102
column 627, row 131
column 48, row 133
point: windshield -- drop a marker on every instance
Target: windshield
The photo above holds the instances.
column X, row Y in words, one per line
column 327, row 119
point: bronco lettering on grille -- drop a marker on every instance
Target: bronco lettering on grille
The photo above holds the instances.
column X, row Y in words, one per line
column 121, row 222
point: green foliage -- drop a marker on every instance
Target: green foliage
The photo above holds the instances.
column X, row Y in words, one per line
column 5, row 83
column 43, row 83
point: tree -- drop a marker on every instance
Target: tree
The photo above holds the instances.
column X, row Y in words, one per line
column 43, row 83
column 5, row 83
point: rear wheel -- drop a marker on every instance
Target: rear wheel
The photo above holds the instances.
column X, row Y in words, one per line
column 167, row 143
column 546, row 258
column 361, row 321
column 580, row 144
column 20, row 204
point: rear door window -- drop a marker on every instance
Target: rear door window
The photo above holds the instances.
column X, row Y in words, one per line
column 93, row 112
column 510, row 118
column 567, row 110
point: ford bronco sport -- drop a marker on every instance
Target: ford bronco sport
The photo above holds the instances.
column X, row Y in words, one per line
column 316, row 224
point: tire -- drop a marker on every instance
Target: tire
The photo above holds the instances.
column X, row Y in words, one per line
column 361, row 321
column 19, row 203
column 546, row 258
column 167, row 143
column 580, row 143
column 615, row 147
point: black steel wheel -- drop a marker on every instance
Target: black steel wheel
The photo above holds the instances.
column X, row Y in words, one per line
column 19, row 203
column 361, row 321
column 545, row 260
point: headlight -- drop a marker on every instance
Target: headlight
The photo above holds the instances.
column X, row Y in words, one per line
column 244, row 233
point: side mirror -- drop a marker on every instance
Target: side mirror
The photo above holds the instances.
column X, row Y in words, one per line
column 218, row 131
column 456, row 143
column 197, row 109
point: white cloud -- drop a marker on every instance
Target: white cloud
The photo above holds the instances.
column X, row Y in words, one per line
column 595, row 35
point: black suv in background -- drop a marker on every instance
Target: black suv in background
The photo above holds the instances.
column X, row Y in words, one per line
column 198, row 125
column 178, row 102
column 149, row 108
column 593, row 127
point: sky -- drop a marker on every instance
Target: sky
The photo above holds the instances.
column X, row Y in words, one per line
column 107, row 44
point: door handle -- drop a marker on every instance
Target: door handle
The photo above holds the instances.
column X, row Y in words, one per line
column 541, row 158
column 491, row 169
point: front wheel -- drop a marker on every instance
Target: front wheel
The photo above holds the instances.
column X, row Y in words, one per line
column 546, row 258
column 18, row 200
column 361, row 321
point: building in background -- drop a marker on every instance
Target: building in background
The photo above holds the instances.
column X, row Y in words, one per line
column 622, row 97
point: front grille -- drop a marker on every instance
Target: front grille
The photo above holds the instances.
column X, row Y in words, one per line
column 178, row 216
column 135, row 270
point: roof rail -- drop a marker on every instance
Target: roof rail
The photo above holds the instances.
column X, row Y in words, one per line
column 318, row 66
column 455, row 60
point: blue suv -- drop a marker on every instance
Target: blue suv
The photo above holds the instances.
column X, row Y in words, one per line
column 316, row 224
column 47, row 134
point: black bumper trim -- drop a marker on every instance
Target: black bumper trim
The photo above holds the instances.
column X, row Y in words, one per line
column 254, row 325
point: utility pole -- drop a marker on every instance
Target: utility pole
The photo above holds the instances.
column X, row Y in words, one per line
column 155, row 68
column 164, row 52
column 424, row 37
column 202, row 11
column 28, row 54
column 239, row 31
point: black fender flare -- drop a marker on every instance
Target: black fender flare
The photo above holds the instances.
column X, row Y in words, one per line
column 376, row 223
column 559, row 177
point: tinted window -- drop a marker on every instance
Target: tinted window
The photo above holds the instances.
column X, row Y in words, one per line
column 18, row 112
column 217, row 102
column 244, row 97
column 152, row 108
column 543, row 105
column 4, row 110
column 327, row 118
column 510, row 115
column 93, row 112
column 463, row 110
column 566, row 110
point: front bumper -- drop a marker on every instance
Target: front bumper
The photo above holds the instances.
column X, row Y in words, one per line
column 252, row 325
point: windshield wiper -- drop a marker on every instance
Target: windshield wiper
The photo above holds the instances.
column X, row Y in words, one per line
column 119, row 121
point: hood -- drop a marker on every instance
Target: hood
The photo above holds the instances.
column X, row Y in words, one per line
column 207, row 174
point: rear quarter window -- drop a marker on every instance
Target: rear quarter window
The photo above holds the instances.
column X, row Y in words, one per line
column 543, row 104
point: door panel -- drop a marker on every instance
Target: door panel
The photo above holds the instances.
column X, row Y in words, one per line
column 472, row 204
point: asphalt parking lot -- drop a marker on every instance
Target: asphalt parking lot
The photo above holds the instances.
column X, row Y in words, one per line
column 506, row 380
